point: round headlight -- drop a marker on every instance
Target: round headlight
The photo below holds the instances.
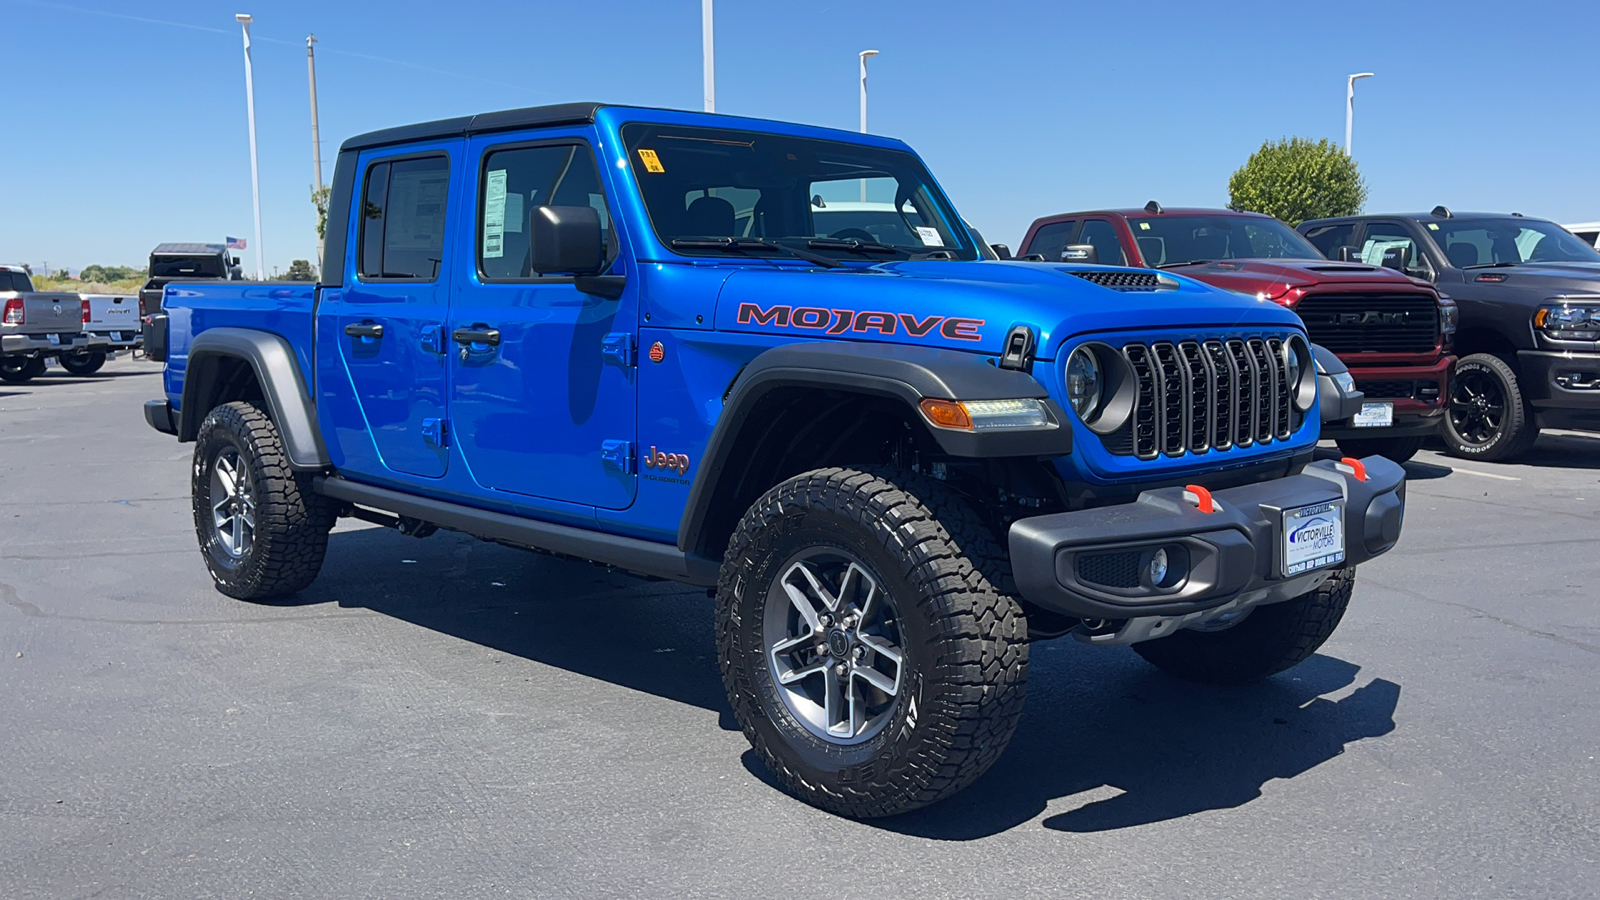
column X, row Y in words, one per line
column 1083, row 381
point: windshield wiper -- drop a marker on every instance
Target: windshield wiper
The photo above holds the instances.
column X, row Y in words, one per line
column 855, row 246
column 1498, row 265
column 745, row 244
column 1192, row 262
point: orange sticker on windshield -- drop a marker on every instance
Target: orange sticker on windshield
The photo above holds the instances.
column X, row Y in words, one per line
column 652, row 162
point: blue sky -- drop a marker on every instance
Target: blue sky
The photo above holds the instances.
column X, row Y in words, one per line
column 128, row 125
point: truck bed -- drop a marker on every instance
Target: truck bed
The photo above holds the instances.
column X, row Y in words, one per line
column 279, row 307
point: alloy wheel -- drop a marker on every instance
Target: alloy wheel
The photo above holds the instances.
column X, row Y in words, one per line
column 233, row 503
column 1477, row 406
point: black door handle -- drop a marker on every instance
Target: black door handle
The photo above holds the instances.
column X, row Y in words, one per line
column 364, row 330
column 490, row 336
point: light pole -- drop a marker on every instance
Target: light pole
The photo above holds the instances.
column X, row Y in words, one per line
column 1350, row 107
column 255, row 173
column 863, row 56
column 708, row 51
column 316, row 141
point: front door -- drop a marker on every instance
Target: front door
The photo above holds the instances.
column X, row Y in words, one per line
column 544, row 385
column 389, row 318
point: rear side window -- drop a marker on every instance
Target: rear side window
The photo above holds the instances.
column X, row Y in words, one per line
column 1050, row 239
column 402, row 219
column 1329, row 238
column 1102, row 235
column 518, row 180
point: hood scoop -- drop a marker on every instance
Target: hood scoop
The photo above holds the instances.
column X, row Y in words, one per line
column 1126, row 280
column 1345, row 268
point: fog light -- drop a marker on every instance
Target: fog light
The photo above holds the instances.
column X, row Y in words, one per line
column 1158, row 567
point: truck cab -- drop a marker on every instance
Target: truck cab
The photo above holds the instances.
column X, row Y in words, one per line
column 893, row 461
column 1392, row 332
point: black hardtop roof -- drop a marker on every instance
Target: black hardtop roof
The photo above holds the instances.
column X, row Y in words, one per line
column 461, row 126
column 188, row 249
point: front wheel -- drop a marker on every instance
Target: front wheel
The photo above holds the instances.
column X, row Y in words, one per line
column 868, row 653
column 262, row 531
column 85, row 363
column 1394, row 449
column 1488, row 417
column 16, row 369
column 1264, row 641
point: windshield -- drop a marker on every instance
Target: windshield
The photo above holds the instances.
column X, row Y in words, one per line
column 1183, row 240
column 187, row 267
column 1509, row 241
column 705, row 186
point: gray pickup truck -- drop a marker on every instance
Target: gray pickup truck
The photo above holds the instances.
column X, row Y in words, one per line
column 35, row 327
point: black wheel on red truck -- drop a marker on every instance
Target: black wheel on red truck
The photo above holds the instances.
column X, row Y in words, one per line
column 83, row 363
column 17, row 369
column 867, row 645
column 263, row 532
column 1263, row 640
column 1394, row 449
column 1488, row 418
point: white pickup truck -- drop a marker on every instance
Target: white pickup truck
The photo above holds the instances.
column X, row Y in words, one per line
column 35, row 327
column 114, row 318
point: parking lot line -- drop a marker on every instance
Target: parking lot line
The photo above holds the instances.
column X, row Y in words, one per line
column 1484, row 474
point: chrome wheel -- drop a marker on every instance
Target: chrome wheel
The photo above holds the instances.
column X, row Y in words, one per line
column 1477, row 406
column 233, row 503
column 834, row 646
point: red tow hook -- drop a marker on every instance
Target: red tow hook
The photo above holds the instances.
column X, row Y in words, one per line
column 1201, row 497
column 1354, row 468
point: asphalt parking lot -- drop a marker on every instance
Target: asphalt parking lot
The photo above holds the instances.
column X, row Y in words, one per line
column 448, row 718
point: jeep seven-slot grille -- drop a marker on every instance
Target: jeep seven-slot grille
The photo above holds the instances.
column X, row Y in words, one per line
column 1195, row 396
column 1371, row 323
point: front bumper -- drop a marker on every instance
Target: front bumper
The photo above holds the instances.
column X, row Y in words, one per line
column 1233, row 553
column 1419, row 395
column 1564, row 380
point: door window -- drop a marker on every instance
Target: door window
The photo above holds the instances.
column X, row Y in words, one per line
column 1102, row 235
column 1049, row 239
column 402, row 219
column 518, row 180
column 1329, row 238
column 1391, row 246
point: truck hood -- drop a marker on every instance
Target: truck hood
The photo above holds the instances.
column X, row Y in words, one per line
column 972, row 305
column 1558, row 278
column 1273, row 277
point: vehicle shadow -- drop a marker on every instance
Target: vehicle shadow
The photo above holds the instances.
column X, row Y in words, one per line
column 1563, row 451
column 1147, row 747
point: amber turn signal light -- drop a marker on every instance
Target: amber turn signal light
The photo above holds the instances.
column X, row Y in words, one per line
column 946, row 414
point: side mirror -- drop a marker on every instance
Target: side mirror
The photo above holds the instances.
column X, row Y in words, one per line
column 1001, row 250
column 235, row 260
column 1080, row 253
column 1396, row 258
column 1348, row 253
column 565, row 240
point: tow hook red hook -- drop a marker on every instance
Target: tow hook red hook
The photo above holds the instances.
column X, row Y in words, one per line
column 1200, row 497
column 1354, row 467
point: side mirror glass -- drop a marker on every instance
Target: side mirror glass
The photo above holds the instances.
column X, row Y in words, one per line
column 565, row 240
column 1080, row 253
column 1001, row 250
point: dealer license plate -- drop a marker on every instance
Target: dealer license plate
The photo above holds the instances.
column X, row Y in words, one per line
column 53, row 339
column 1374, row 415
column 1313, row 537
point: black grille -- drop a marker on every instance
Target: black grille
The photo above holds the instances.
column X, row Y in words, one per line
column 1194, row 396
column 1388, row 390
column 1125, row 281
column 1371, row 323
column 1117, row 570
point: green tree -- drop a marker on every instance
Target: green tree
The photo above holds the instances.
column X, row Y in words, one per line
column 319, row 199
column 300, row 270
column 1296, row 179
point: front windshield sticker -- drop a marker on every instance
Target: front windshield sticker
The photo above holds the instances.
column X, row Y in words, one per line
column 1144, row 226
column 494, row 214
column 1433, row 226
column 652, row 162
column 930, row 236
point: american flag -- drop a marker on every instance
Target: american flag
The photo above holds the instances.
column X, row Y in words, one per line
column 235, row 243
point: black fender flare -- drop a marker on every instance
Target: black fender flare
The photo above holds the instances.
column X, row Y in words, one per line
column 906, row 373
column 282, row 386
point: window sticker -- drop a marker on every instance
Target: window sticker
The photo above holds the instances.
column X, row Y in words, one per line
column 494, row 214
column 930, row 236
column 652, row 162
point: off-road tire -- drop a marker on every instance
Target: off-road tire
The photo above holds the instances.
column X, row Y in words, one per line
column 1394, row 449
column 291, row 521
column 1519, row 424
column 16, row 370
column 83, row 364
column 965, row 640
column 1270, row 639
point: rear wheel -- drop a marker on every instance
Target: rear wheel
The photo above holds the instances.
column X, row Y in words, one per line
column 16, row 369
column 1488, row 417
column 262, row 531
column 1395, row 449
column 870, row 661
column 84, row 363
column 1264, row 641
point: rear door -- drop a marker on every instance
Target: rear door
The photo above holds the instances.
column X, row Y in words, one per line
column 388, row 319
column 544, row 381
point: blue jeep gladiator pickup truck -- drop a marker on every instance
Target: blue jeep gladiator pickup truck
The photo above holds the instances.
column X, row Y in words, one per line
column 619, row 335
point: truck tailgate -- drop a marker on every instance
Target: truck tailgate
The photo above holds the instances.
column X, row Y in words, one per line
column 48, row 314
column 112, row 313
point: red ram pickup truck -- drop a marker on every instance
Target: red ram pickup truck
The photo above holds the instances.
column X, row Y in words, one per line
column 1393, row 331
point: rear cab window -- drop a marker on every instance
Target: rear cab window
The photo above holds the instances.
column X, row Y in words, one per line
column 403, row 205
column 16, row 281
